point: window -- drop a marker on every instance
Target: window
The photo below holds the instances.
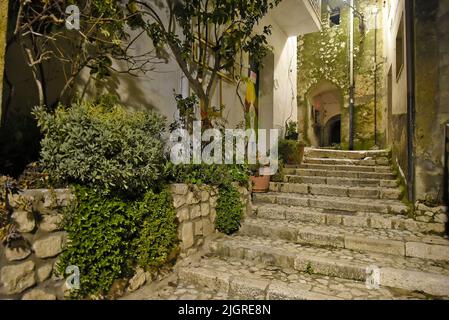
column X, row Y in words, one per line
column 400, row 49
column 335, row 16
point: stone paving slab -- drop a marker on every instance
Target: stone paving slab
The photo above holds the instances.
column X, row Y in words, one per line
column 340, row 174
column 340, row 154
column 348, row 182
column 248, row 281
column 348, row 168
column 342, row 218
column 432, row 276
column 257, row 281
column 329, row 161
column 388, row 241
column 333, row 203
column 359, row 192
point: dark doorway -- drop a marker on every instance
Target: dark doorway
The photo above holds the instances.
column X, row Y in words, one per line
column 335, row 133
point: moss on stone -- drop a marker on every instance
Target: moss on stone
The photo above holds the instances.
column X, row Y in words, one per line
column 323, row 56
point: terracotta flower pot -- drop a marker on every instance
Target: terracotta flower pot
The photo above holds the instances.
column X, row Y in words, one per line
column 261, row 184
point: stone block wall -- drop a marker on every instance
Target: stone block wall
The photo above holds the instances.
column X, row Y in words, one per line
column 424, row 213
column 26, row 268
column 196, row 212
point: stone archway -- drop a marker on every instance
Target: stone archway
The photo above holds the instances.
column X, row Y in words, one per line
column 324, row 108
column 332, row 132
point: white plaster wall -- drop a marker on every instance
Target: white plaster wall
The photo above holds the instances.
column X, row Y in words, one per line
column 154, row 91
column 392, row 20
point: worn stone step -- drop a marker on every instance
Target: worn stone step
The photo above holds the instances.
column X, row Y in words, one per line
column 339, row 174
column 348, row 168
column 348, row 182
column 242, row 279
column 338, row 154
column 413, row 274
column 395, row 242
column 333, row 203
column 337, row 191
column 346, row 162
column 349, row 219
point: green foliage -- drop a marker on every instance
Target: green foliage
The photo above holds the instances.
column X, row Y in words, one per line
column 101, row 145
column 289, row 151
column 108, row 236
column 229, row 210
column 226, row 29
column 280, row 175
column 157, row 233
column 213, row 175
column 291, row 132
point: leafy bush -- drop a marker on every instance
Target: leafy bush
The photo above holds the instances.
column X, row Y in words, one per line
column 289, row 151
column 291, row 132
column 101, row 145
column 229, row 210
column 108, row 236
column 214, row 175
column 229, row 206
column 157, row 233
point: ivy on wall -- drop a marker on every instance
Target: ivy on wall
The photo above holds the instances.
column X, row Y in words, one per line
column 324, row 56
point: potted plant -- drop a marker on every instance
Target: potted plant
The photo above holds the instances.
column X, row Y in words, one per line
column 291, row 150
column 260, row 178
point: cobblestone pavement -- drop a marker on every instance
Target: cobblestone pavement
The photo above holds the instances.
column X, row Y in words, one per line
column 384, row 234
column 336, row 288
column 380, row 260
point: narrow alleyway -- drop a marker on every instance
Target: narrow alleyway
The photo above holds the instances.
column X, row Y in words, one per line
column 316, row 235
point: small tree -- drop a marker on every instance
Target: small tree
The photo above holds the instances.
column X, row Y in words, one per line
column 104, row 34
column 206, row 36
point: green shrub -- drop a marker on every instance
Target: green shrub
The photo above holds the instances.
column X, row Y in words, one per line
column 213, row 175
column 229, row 210
column 157, row 233
column 289, row 151
column 108, row 236
column 101, row 145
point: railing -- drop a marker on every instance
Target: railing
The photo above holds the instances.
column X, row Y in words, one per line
column 316, row 5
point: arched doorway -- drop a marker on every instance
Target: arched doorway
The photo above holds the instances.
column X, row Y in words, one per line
column 332, row 132
column 324, row 113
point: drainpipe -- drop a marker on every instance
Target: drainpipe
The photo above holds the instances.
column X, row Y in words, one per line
column 375, row 11
column 446, row 165
column 351, row 75
column 410, row 46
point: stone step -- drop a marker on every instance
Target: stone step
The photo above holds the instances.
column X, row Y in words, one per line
column 333, row 203
column 346, row 162
column 337, row 191
column 242, row 279
column 348, row 182
column 395, row 242
column 348, row 168
column 339, row 174
column 338, row 154
column 348, row 219
column 412, row 274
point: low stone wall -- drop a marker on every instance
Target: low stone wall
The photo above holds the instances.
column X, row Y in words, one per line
column 196, row 212
column 27, row 266
column 26, row 269
column 424, row 213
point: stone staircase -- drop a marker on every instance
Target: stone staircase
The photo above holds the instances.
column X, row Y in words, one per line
column 320, row 233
